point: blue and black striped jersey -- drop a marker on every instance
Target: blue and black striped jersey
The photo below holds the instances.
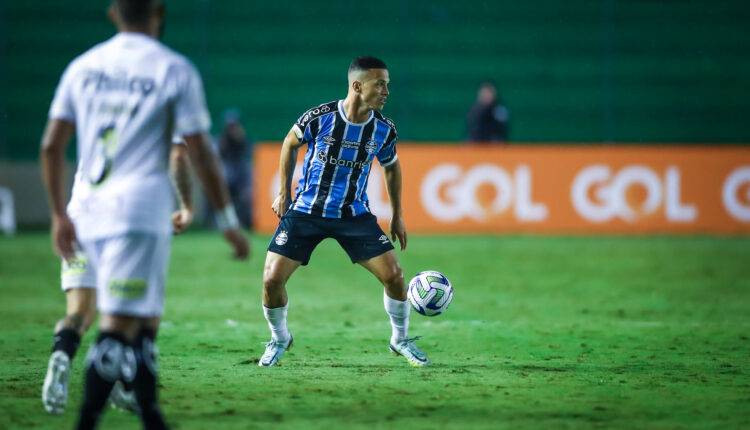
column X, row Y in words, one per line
column 338, row 159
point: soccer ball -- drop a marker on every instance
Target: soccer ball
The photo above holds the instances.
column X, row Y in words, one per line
column 430, row 293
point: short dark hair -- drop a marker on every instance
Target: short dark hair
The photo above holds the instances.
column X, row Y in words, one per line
column 366, row 63
column 135, row 12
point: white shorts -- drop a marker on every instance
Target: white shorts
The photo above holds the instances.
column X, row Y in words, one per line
column 131, row 273
column 78, row 273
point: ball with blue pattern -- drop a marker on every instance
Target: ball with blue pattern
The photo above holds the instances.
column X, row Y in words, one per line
column 430, row 293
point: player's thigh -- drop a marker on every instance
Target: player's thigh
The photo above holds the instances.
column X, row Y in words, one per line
column 297, row 236
column 80, row 301
column 127, row 325
column 362, row 238
column 386, row 268
column 131, row 274
column 278, row 268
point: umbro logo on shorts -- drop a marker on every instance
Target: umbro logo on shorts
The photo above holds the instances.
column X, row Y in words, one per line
column 383, row 239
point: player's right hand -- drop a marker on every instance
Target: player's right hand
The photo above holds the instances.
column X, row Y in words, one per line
column 280, row 205
column 238, row 243
column 181, row 219
column 63, row 237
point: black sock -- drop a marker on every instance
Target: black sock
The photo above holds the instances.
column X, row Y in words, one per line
column 144, row 384
column 106, row 362
column 66, row 340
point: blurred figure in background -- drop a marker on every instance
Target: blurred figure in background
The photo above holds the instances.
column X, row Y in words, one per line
column 487, row 120
column 125, row 99
column 235, row 151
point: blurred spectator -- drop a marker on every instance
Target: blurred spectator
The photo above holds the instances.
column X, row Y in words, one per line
column 487, row 120
column 235, row 151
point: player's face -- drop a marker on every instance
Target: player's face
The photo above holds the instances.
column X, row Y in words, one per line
column 375, row 88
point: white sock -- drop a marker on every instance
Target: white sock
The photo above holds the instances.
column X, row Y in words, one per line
column 276, row 318
column 398, row 311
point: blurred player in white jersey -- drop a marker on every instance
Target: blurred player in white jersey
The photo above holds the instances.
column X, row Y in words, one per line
column 125, row 98
column 78, row 282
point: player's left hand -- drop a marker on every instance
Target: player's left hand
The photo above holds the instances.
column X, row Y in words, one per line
column 398, row 231
column 181, row 219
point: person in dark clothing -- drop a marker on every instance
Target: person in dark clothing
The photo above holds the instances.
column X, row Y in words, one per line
column 235, row 151
column 487, row 120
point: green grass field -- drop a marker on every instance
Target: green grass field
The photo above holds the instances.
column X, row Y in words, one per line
column 543, row 333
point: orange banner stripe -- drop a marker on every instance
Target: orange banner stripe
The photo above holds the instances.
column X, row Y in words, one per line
column 552, row 189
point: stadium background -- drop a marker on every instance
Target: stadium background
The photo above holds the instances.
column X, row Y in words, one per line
column 587, row 72
column 618, row 71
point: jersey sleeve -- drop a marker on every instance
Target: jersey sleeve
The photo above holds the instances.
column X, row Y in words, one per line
column 300, row 126
column 62, row 106
column 387, row 154
column 190, row 112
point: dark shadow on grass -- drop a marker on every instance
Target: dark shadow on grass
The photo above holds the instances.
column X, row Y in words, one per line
column 619, row 369
column 545, row 368
column 397, row 364
column 466, row 415
column 558, row 415
column 461, row 368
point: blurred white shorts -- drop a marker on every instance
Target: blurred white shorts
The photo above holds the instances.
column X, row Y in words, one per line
column 77, row 273
column 131, row 272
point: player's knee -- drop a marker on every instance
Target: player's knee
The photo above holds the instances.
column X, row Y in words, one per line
column 78, row 321
column 394, row 277
column 88, row 317
column 272, row 280
column 81, row 318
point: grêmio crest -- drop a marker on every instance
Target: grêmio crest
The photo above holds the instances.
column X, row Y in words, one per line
column 371, row 146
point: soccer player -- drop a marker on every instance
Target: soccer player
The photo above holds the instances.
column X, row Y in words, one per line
column 342, row 137
column 125, row 98
column 78, row 282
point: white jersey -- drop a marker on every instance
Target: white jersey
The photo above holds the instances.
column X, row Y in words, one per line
column 127, row 97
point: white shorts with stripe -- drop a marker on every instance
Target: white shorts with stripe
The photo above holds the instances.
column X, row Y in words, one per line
column 77, row 273
column 131, row 272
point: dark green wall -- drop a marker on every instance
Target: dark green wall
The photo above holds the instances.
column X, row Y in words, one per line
column 593, row 71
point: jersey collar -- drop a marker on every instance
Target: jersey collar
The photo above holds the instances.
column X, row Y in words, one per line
column 343, row 115
column 133, row 36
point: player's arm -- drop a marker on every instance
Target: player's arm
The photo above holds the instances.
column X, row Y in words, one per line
column 287, row 161
column 393, row 184
column 207, row 169
column 56, row 136
column 179, row 166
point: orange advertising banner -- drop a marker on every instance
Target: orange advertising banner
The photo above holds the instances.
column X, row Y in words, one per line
column 551, row 189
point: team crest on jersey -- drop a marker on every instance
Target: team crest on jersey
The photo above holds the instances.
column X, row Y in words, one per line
column 281, row 238
column 371, row 146
column 329, row 140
